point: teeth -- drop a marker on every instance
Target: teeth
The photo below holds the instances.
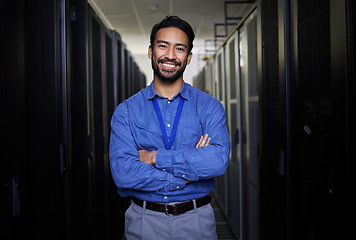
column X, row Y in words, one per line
column 168, row 65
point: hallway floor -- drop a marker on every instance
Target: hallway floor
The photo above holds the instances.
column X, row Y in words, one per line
column 223, row 229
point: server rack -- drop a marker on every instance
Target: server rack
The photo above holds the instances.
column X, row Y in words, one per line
column 296, row 100
column 120, row 69
column 61, row 78
column 321, row 101
column 33, row 117
column 250, row 111
column 98, row 123
column 82, row 203
column 273, row 128
column 235, row 167
column 219, row 79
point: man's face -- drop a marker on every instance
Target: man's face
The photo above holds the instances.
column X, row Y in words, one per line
column 169, row 54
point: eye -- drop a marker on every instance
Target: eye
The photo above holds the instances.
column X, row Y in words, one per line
column 180, row 49
column 162, row 46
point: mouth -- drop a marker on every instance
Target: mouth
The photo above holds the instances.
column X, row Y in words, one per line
column 169, row 65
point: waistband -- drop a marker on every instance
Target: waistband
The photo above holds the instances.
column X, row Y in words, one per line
column 174, row 209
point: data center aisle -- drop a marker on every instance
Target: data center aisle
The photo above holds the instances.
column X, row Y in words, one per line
column 223, row 229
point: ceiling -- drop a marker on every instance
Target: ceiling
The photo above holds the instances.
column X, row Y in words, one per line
column 133, row 19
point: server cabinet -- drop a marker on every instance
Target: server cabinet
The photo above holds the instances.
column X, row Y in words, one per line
column 220, row 81
column 97, row 83
column 81, row 204
column 111, row 76
column 323, row 97
column 342, row 54
column 272, row 135
column 45, row 126
column 296, row 126
column 314, row 158
column 114, row 88
column 127, row 72
column 12, row 130
column 249, row 127
column 44, row 194
column 220, row 75
column 82, row 148
column 34, row 131
column 59, row 86
column 235, row 168
column 121, row 70
column 306, row 99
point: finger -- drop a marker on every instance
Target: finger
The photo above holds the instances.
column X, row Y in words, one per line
column 203, row 141
column 207, row 142
column 198, row 145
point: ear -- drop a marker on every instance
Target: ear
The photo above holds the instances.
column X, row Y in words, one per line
column 150, row 52
column 189, row 57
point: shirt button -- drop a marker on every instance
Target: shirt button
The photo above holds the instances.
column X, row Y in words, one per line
column 165, row 197
column 177, row 187
column 169, row 101
column 164, row 169
column 183, row 175
column 168, row 125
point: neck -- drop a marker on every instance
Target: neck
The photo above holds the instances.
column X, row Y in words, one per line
column 167, row 89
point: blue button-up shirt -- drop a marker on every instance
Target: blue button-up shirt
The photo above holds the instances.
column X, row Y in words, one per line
column 135, row 126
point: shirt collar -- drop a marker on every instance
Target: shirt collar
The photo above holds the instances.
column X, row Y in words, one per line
column 151, row 93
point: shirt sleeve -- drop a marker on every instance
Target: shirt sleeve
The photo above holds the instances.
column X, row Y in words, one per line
column 205, row 162
column 127, row 170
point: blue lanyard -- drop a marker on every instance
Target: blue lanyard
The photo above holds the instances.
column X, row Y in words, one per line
column 175, row 124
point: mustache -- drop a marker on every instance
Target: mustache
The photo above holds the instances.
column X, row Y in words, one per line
column 170, row 61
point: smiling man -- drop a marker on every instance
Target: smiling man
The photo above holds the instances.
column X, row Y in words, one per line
column 167, row 144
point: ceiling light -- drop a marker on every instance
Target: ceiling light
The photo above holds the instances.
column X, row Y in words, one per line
column 153, row 7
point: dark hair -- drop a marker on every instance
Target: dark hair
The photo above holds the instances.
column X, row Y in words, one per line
column 174, row 21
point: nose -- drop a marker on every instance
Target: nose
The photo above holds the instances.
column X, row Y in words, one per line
column 170, row 54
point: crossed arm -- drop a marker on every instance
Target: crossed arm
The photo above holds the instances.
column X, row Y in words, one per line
column 149, row 157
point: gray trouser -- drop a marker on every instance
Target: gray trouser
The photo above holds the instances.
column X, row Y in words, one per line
column 142, row 224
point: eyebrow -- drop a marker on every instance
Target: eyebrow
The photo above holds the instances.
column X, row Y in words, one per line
column 178, row 44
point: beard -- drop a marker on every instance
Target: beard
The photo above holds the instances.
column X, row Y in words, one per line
column 166, row 75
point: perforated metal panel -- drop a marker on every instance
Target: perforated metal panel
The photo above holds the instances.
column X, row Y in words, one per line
column 4, row 121
column 44, row 189
column 315, row 110
column 271, row 144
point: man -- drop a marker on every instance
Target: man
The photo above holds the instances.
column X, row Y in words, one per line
column 168, row 142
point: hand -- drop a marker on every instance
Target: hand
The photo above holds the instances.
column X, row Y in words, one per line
column 203, row 141
column 148, row 157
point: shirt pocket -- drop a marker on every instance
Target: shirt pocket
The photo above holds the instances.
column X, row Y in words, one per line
column 147, row 136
